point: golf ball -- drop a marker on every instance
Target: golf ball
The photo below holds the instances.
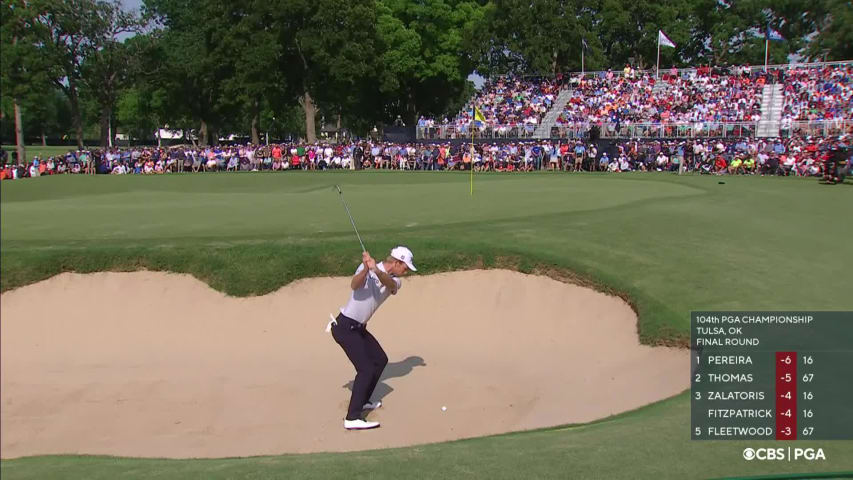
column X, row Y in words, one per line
column 443, row 409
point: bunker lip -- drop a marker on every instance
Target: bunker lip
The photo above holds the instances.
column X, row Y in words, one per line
column 150, row 364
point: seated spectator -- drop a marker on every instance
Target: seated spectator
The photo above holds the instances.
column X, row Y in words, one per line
column 211, row 163
column 720, row 165
column 736, row 165
column 749, row 165
column 661, row 161
column 233, row 163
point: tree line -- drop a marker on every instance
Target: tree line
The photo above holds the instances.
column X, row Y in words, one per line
column 288, row 67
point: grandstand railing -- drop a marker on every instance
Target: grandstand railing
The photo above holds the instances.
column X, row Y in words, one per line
column 660, row 130
column 451, row 131
column 684, row 71
column 819, row 128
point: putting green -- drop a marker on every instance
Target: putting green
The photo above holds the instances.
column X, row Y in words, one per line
column 291, row 204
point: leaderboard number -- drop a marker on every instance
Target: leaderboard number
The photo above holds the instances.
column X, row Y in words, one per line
column 808, row 413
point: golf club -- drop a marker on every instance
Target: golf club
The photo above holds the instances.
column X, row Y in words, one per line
column 350, row 217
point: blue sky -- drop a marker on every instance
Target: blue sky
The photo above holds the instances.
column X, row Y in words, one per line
column 131, row 4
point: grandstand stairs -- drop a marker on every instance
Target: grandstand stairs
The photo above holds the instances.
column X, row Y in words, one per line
column 550, row 118
column 772, row 103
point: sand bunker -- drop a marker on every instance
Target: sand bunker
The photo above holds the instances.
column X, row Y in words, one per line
column 159, row 365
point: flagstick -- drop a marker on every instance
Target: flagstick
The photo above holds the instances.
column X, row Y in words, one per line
column 582, row 49
column 657, row 68
column 471, row 163
column 766, row 50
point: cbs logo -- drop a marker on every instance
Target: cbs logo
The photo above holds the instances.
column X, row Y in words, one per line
column 750, row 454
column 809, row 454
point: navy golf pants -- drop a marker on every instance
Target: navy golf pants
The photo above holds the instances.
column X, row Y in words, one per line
column 366, row 355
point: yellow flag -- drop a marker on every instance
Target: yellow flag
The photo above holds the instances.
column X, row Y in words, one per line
column 478, row 115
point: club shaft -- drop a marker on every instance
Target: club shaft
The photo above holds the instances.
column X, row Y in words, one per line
column 351, row 220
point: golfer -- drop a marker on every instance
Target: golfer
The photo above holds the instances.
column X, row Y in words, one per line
column 371, row 285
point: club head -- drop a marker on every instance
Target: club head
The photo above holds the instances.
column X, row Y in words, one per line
column 338, row 188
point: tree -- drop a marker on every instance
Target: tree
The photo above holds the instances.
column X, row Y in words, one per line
column 283, row 122
column 105, row 70
column 728, row 32
column 138, row 111
column 327, row 49
column 545, row 35
column 70, row 33
column 192, row 70
column 47, row 114
column 426, row 51
column 629, row 29
column 828, row 22
column 251, row 48
column 21, row 75
column 154, row 93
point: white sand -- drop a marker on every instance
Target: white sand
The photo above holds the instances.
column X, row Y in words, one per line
column 159, row 365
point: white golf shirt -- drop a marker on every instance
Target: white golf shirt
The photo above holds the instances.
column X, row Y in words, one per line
column 364, row 301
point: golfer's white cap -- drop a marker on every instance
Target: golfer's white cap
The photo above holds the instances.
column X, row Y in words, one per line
column 404, row 255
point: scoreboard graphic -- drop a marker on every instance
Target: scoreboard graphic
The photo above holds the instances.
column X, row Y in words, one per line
column 771, row 375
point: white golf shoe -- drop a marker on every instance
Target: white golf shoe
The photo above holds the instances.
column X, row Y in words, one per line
column 359, row 424
column 372, row 405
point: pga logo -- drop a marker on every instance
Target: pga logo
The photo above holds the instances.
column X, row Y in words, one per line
column 809, row 454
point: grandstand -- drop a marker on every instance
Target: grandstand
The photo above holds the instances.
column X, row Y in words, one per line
column 702, row 102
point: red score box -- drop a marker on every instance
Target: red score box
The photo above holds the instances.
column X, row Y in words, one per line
column 786, row 395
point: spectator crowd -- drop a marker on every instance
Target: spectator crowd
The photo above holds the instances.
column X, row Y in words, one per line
column 696, row 96
column 703, row 99
column 513, row 107
column 801, row 156
column 507, row 103
column 818, row 93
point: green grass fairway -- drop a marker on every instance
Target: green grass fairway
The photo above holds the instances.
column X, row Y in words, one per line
column 670, row 244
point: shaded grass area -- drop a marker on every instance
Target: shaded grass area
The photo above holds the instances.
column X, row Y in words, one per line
column 652, row 442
